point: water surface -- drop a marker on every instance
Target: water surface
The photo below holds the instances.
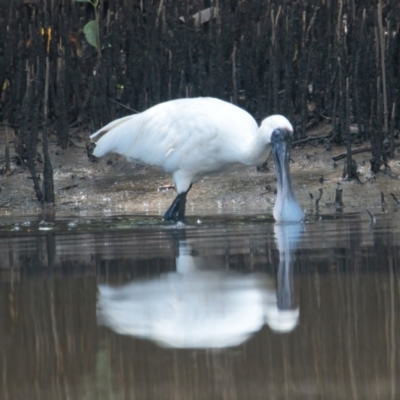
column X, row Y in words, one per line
column 229, row 307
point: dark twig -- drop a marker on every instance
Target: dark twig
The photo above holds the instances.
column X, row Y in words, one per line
column 358, row 151
column 319, row 198
column 310, row 138
column 372, row 216
column 48, row 181
column 7, row 151
column 339, row 198
column 120, row 104
column 395, row 199
column 381, row 43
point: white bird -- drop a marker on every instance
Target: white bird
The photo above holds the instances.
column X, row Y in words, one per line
column 190, row 138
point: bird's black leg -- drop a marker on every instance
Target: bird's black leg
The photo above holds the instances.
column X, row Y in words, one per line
column 173, row 209
column 182, row 205
column 177, row 208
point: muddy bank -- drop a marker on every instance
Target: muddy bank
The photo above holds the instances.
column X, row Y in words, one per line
column 113, row 186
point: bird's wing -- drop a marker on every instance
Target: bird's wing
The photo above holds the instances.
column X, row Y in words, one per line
column 191, row 134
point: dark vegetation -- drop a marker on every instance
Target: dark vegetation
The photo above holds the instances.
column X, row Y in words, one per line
column 334, row 62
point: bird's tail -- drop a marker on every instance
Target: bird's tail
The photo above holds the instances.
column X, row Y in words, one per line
column 95, row 137
column 107, row 139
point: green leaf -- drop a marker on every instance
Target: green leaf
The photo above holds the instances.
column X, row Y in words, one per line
column 92, row 33
column 82, row 1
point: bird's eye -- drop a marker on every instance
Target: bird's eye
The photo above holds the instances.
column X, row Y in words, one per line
column 278, row 135
column 281, row 135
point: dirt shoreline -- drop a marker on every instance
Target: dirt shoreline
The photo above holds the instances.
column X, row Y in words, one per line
column 112, row 186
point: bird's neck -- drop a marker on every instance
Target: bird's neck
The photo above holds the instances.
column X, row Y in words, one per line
column 257, row 150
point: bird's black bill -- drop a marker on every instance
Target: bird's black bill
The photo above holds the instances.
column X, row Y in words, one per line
column 286, row 209
column 281, row 148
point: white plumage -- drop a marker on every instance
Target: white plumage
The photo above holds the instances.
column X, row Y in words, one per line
column 190, row 138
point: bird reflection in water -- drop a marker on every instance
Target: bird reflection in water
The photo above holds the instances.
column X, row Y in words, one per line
column 198, row 308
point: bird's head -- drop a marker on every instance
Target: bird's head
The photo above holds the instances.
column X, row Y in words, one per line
column 279, row 132
column 277, row 128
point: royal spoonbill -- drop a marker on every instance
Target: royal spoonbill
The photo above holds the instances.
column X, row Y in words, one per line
column 192, row 137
